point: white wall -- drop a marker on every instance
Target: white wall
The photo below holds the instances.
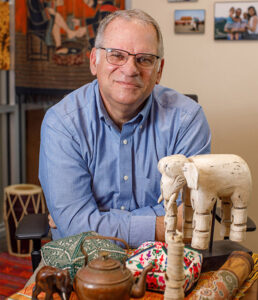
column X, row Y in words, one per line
column 224, row 75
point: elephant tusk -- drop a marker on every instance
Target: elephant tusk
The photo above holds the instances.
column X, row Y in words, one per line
column 160, row 198
column 64, row 296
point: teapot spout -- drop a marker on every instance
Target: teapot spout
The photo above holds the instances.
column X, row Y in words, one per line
column 138, row 289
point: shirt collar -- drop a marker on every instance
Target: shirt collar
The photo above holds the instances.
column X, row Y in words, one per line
column 140, row 117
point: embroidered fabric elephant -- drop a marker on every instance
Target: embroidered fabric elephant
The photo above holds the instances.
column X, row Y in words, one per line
column 207, row 178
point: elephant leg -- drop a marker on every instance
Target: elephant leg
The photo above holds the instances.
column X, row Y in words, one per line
column 226, row 205
column 202, row 203
column 187, row 214
column 201, row 230
column 239, row 217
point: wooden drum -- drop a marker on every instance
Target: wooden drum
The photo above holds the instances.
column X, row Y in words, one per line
column 20, row 200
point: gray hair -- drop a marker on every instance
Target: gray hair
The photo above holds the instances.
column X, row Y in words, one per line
column 129, row 15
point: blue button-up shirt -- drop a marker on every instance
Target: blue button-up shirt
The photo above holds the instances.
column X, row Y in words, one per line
column 96, row 177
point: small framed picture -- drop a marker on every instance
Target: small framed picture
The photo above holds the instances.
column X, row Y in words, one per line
column 236, row 21
column 189, row 21
column 182, row 0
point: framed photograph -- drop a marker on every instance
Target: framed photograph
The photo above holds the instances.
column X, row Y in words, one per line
column 234, row 21
column 190, row 21
column 182, row 0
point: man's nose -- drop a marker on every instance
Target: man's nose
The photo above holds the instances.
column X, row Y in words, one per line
column 130, row 67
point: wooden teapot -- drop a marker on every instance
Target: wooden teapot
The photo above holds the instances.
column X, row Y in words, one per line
column 107, row 278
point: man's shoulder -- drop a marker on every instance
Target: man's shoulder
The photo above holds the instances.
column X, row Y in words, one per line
column 76, row 100
column 79, row 99
column 171, row 99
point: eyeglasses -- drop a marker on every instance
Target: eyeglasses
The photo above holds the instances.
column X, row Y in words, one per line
column 120, row 57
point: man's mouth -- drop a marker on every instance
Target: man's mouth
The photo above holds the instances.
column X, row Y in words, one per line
column 129, row 84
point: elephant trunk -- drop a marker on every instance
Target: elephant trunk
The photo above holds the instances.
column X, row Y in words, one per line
column 171, row 216
column 187, row 214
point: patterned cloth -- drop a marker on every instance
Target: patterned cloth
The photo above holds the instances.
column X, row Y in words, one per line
column 66, row 253
column 26, row 293
column 205, row 278
column 156, row 253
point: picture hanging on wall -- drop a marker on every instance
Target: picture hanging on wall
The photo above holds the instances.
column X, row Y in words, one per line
column 190, row 21
column 182, row 0
column 53, row 42
column 235, row 21
column 4, row 36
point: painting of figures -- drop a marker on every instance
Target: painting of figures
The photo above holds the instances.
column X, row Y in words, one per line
column 53, row 41
column 4, row 36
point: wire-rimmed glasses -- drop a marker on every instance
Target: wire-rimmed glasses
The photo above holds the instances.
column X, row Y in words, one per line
column 119, row 57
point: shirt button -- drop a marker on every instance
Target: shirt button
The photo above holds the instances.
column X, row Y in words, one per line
column 140, row 126
column 125, row 177
column 125, row 142
column 122, row 207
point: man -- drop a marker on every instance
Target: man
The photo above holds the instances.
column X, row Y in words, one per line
column 101, row 144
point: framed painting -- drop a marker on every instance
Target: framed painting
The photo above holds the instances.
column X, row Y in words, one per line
column 4, row 35
column 53, row 42
column 189, row 21
column 236, row 21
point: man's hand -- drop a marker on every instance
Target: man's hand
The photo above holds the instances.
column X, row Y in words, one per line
column 51, row 222
column 160, row 226
column 160, row 229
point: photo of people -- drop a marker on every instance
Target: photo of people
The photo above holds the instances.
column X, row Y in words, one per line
column 236, row 21
column 189, row 21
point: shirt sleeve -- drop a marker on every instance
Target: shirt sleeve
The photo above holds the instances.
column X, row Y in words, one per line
column 66, row 182
column 194, row 136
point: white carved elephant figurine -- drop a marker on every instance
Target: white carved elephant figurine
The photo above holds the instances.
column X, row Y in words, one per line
column 170, row 185
column 208, row 177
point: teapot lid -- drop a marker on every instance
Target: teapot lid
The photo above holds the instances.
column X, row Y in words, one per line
column 104, row 262
column 103, row 270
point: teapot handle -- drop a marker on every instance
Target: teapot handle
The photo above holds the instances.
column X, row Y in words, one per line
column 100, row 237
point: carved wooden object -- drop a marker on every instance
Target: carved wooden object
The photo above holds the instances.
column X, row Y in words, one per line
column 175, row 268
column 52, row 280
column 172, row 181
column 206, row 179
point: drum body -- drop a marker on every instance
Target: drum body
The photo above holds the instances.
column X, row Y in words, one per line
column 20, row 200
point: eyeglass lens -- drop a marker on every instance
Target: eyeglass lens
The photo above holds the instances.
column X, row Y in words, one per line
column 118, row 57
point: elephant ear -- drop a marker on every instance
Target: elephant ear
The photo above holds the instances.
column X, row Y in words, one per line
column 191, row 175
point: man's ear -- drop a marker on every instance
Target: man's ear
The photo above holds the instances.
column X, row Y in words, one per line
column 160, row 71
column 93, row 61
